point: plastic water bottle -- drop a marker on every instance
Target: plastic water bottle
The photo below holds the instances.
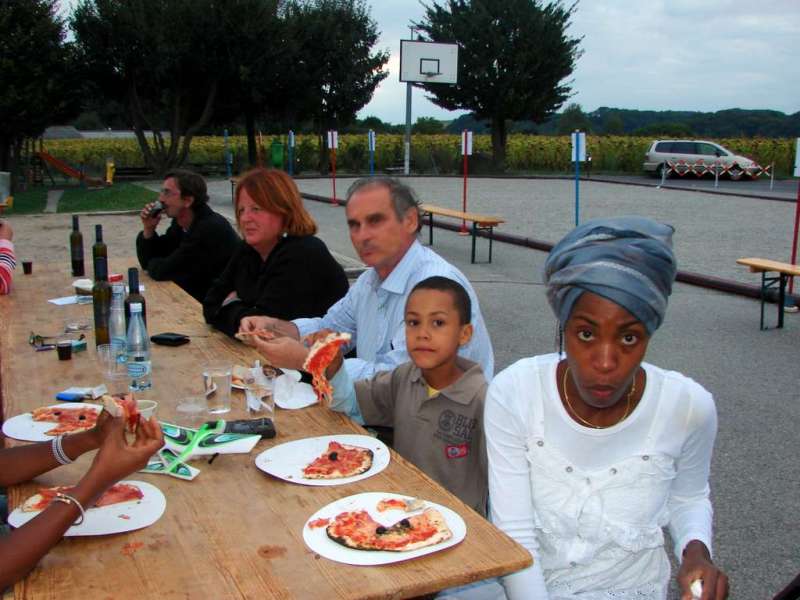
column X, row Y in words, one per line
column 116, row 321
column 138, row 351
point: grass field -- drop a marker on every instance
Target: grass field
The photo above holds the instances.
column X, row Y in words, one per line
column 29, row 202
column 120, row 196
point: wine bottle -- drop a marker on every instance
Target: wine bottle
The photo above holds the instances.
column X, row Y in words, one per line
column 134, row 296
column 101, row 299
column 99, row 249
column 76, row 249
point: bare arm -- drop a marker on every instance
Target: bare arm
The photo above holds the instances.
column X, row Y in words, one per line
column 24, row 547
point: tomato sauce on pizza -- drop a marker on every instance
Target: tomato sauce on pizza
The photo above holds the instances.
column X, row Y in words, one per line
column 67, row 419
column 359, row 531
column 339, row 460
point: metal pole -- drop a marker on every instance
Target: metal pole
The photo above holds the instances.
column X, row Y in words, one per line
column 794, row 241
column 771, row 176
column 407, row 145
column 227, row 153
column 577, row 177
column 464, row 143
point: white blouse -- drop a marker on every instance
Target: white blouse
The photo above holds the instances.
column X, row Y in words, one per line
column 590, row 504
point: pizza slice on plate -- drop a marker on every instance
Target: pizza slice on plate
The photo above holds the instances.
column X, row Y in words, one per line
column 319, row 357
column 67, row 419
column 123, row 405
column 120, row 492
column 359, row 531
column 338, row 461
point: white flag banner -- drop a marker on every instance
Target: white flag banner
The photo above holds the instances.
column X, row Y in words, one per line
column 291, row 139
column 466, row 143
column 333, row 140
column 579, row 146
column 371, row 140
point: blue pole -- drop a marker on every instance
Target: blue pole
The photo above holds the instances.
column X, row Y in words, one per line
column 290, row 143
column 228, row 156
column 371, row 144
column 577, row 177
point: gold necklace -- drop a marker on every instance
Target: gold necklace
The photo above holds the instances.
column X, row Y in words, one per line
column 584, row 421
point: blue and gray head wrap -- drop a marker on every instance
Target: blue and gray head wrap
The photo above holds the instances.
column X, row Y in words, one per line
column 627, row 260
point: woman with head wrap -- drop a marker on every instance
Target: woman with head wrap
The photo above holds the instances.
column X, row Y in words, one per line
column 593, row 451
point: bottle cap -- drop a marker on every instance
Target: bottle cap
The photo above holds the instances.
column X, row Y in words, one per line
column 136, row 307
column 115, row 278
column 75, row 222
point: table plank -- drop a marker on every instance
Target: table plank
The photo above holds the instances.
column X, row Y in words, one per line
column 233, row 532
column 758, row 265
column 457, row 214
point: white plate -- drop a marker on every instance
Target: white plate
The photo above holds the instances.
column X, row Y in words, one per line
column 23, row 427
column 288, row 460
column 114, row 518
column 317, row 539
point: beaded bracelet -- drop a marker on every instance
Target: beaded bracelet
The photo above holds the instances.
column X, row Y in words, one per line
column 58, row 451
column 67, row 499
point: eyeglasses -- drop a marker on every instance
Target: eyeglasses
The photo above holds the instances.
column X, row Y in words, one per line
column 166, row 192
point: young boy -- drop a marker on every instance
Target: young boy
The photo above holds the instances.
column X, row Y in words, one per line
column 434, row 402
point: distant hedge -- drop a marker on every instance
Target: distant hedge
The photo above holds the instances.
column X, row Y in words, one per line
column 439, row 153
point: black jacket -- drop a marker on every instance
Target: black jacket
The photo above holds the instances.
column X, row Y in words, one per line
column 192, row 259
column 300, row 278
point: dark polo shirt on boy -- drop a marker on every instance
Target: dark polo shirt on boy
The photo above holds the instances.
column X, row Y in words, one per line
column 443, row 434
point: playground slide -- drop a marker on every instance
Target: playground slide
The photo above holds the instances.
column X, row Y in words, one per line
column 67, row 170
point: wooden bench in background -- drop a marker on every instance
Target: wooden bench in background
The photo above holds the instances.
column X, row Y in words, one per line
column 479, row 223
column 783, row 270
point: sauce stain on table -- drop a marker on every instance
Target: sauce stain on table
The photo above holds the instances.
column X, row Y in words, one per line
column 270, row 552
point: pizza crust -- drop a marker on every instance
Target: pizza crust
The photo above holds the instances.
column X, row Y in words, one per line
column 366, row 455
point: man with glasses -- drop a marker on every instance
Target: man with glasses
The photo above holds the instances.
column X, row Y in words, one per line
column 198, row 243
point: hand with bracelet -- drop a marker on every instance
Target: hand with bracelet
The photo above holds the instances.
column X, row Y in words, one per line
column 117, row 458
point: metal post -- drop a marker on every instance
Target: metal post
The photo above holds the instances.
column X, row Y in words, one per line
column 227, row 155
column 290, row 143
column 407, row 145
column 794, row 240
column 577, row 177
column 771, row 176
column 716, row 174
column 371, row 145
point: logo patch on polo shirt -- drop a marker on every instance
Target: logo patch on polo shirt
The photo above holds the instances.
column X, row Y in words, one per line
column 456, row 450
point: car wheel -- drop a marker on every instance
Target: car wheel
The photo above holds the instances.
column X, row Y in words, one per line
column 735, row 173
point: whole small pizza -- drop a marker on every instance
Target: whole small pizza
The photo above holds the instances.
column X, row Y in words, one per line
column 67, row 419
column 120, row 492
column 339, row 461
column 359, row 531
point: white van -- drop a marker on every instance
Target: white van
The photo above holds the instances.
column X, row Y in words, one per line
column 693, row 151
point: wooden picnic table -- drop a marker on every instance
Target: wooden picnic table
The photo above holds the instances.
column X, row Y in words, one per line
column 766, row 266
column 233, row 532
column 484, row 223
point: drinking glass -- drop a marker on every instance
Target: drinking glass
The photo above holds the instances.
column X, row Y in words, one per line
column 217, row 386
column 111, row 358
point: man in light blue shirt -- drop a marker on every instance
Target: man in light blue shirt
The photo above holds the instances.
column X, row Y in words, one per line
column 383, row 219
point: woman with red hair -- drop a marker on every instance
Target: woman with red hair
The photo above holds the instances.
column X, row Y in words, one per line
column 280, row 269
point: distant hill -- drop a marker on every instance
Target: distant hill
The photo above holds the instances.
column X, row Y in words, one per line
column 734, row 122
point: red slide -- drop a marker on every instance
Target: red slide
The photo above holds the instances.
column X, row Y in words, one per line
column 69, row 171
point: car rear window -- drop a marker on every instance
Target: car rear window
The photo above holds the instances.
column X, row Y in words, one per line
column 664, row 147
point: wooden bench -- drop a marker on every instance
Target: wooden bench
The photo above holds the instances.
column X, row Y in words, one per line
column 479, row 223
column 783, row 270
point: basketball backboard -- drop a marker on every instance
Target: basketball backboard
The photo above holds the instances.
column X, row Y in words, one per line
column 428, row 62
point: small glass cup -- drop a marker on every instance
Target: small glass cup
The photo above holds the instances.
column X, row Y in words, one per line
column 64, row 349
column 191, row 411
column 260, row 395
column 217, row 386
column 111, row 358
column 118, row 383
column 27, row 267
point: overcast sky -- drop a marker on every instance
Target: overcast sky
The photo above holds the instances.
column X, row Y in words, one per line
column 704, row 55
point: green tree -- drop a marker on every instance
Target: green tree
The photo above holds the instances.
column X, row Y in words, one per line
column 335, row 70
column 573, row 118
column 513, row 58
column 613, row 124
column 163, row 58
column 428, row 125
column 37, row 69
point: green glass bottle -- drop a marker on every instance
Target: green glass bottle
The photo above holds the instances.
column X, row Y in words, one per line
column 99, row 249
column 76, row 248
column 134, row 295
column 101, row 300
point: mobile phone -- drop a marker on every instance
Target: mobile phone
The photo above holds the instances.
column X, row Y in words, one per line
column 170, row 339
column 263, row 427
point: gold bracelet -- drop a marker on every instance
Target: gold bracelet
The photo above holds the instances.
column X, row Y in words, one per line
column 67, row 499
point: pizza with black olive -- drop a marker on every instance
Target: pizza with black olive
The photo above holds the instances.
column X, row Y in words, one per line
column 339, row 461
column 67, row 419
column 359, row 531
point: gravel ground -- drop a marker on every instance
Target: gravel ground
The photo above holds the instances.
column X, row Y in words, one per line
column 711, row 337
